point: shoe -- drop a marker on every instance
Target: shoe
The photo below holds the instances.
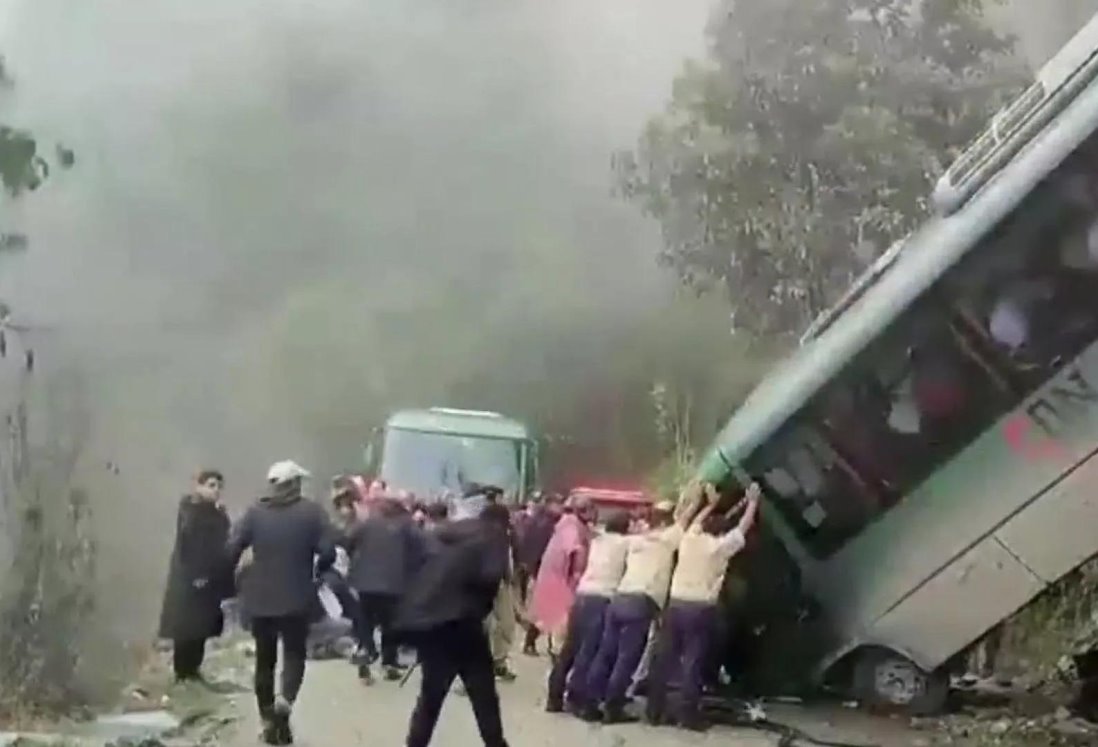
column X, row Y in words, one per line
column 592, row 714
column 504, row 674
column 268, row 731
column 695, row 723
column 554, row 706
column 529, row 651
column 365, row 675
column 280, row 719
column 393, row 674
column 657, row 719
column 617, row 715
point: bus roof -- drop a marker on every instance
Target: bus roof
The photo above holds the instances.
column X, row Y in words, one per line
column 925, row 256
column 459, row 423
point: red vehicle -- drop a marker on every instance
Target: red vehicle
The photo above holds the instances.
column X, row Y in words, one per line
column 605, row 501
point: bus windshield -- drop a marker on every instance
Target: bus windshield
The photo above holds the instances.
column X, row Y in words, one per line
column 430, row 464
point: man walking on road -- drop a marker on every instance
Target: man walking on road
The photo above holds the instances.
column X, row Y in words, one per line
column 287, row 534
column 381, row 548
column 533, row 539
column 449, row 595
column 503, row 621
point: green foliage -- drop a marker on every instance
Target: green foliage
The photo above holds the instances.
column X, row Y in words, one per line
column 23, row 167
column 807, row 143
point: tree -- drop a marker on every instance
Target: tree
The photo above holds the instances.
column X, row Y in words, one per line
column 23, row 167
column 808, row 141
column 44, row 516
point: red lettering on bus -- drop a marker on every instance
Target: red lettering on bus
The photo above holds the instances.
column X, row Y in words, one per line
column 1030, row 444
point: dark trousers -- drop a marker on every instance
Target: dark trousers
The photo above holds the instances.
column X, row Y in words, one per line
column 187, row 657
column 681, row 656
column 581, row 642
column 458, row 649
column 624, row 635
column 530, row 641
column 377, row 613
column 525, row 577
column 293, row 631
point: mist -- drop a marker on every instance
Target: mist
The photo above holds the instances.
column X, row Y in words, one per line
column 287, row 219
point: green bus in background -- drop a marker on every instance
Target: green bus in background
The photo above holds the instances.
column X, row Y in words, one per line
column 438, row 451
column 929, row 453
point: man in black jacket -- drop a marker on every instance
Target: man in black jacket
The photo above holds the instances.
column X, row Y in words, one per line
column 198, row 578
column 381, row 549
column 449, row 595
column 533, row 538
column 286, row 533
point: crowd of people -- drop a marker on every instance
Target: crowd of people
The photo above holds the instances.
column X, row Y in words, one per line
column 617, row 598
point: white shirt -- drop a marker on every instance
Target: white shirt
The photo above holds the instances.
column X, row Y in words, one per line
column 1008, row 324
column 648, row 563
column 703, row 560
column 605, row 565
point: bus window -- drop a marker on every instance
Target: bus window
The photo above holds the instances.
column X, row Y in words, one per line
column 909, row 403
column 815, row 489
column 1030, row 285
column 935, row 395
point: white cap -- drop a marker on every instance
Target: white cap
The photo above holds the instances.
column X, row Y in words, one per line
column 285, row 471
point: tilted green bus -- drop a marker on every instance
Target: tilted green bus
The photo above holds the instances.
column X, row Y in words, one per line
column 437, row 451
column 929, row 453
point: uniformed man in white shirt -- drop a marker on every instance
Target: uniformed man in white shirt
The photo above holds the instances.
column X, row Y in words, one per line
column 641, row 594
column 605, row 567
column 704, row 552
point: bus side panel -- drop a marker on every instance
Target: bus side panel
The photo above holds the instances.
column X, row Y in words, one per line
column 932, row 527
column 965, row 501
column 1059, row 531
column 958, row 605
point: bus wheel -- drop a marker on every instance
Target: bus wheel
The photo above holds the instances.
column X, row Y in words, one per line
column 885, row 679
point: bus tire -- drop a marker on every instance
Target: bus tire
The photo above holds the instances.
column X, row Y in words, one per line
column 886, row 680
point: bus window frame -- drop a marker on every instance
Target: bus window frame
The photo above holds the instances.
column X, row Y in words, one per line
column 934, row 308
column 948, row 306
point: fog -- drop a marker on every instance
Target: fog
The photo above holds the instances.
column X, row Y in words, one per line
column 1042, row 28
column 287, row 218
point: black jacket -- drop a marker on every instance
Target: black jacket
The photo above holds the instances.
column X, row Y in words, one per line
column 199, row 576
column 287, row 535
column 382, row 551
column 534, row 538
column 462, row 565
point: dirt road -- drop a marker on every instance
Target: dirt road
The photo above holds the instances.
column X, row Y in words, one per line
column 335, row 710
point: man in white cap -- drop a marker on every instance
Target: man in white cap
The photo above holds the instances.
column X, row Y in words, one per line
column 286, row 533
